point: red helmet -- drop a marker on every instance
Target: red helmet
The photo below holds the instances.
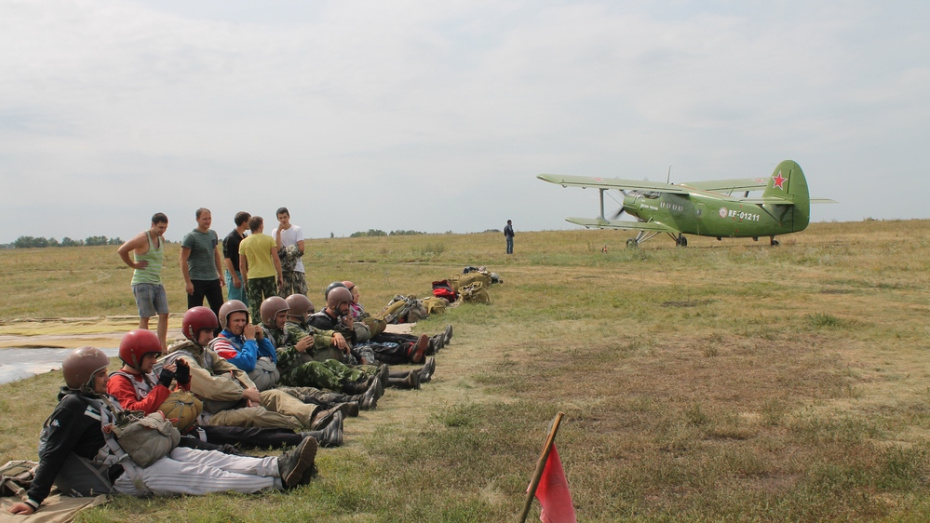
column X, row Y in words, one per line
column 81, row 364
column 271, row 307
column 230, row 307
column 136, row 344
column 337, row 297
column 197, row 319
column 300, row 306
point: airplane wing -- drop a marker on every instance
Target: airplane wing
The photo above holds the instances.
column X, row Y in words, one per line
column 823, row 200
column 765, row 201
column 610, row 183
column 619, row 224
column 742, row 184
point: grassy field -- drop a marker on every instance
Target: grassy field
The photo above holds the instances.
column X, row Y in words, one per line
column 726, row 381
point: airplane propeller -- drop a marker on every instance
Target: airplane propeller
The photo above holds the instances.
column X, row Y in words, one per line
column 620, row 210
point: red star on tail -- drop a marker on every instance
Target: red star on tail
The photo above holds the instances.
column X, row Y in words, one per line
column 779, row 181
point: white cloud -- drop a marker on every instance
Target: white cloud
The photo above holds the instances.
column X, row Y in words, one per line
column 236, row 105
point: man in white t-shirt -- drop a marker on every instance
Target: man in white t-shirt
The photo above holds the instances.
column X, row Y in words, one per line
column 290, row 241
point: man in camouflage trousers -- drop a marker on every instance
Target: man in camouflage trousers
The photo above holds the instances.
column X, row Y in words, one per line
column 289, row 239
column 260, row 266
column 306, row 358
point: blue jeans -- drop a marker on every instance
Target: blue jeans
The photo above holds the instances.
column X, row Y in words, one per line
column 232, row 292
column 510, row 245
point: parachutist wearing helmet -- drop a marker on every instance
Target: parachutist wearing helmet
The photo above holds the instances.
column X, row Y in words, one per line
column 242, row 343
column 139, row 350
column 309, row 359
column 76, row 454
column 137, row 388
column 227, row 390
column 338, row 316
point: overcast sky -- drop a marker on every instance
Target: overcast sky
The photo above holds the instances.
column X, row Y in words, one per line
column 437, row 116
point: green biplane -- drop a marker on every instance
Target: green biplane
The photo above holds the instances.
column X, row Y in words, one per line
column 704, row 208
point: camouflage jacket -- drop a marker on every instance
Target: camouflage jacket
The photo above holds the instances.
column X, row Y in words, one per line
column 285, row 342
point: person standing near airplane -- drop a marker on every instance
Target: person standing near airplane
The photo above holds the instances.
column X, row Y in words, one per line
column 508, row 233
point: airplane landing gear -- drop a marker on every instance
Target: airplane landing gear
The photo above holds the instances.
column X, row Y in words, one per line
column 774, row 242
column 631, row 244
column 681, row 241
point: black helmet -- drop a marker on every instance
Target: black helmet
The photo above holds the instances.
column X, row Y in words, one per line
column 331, row 286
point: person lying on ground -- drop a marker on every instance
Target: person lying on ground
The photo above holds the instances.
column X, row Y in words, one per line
column 79, row 453
column 336, row 315
column 137, row 387
column 308, row 359
column 359, row 315
column 237, row 344
column 230, row 397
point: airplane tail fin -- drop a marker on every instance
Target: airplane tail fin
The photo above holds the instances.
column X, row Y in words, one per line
column 788, row 182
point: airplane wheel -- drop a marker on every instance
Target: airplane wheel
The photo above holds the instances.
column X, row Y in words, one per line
column 775, row 243
column 631, row 244
column 682, row 241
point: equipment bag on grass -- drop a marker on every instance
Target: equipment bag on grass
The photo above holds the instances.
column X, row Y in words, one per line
column 443, row 289
column 435, row 305
column 475, row 292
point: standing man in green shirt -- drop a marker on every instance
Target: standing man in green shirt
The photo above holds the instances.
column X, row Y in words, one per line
column 201, row 264
column 148, row 249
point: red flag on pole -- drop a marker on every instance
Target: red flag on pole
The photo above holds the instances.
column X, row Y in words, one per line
column 553, row 493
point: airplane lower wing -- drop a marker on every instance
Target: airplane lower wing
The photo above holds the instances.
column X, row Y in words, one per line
column 619, row 224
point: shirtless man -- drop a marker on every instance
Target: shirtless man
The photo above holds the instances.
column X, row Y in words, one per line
column 148, row 252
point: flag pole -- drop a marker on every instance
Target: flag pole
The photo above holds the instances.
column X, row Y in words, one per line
column 540, row 465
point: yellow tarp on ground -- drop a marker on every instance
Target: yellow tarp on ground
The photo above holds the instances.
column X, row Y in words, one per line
column 55, row 509
column 70, row 333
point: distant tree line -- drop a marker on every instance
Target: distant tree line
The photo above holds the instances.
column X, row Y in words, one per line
column 379, row 232
column 29, row 242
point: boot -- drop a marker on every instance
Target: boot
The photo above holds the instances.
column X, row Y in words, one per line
column 426, row 371
column 349, row 409
column 416, row 350
column 369, row 400
column 411, row 380
column 447, row 335
column 383, row 373
column 331, row 436
column 325, row 417
column 356, row 387
column 293, row 464
column 435, row 343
